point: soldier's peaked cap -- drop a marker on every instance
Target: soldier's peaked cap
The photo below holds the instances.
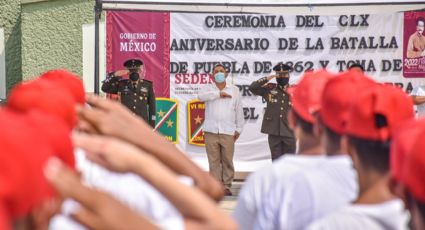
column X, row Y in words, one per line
column 133, row 63
column 282, row 67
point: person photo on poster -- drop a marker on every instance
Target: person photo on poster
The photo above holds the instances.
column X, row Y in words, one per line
column 416, row 43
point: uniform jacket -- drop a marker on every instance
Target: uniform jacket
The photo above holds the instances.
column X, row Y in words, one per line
column 140, row 100
column 275, row 120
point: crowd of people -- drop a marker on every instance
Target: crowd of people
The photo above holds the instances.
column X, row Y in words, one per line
column 71, row 161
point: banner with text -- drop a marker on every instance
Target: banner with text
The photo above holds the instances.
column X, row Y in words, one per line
column 249, row 45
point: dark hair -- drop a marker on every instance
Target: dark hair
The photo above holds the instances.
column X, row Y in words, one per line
column 333, row 137
column 356, row 65
column 372, row 154
column 420, row 19
column 306, row 126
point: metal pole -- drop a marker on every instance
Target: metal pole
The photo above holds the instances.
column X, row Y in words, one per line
column 97, row 16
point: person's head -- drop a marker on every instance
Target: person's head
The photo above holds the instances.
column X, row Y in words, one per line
column 412, row 177
column 420, row 25
column 338, row 96
column 135, row 68
column 401, row 144
column 306, row 103
column 356, row 67
column 374, row 116
column 44, row 96
column 282, row 71
column 219, row 73
column 67, row 81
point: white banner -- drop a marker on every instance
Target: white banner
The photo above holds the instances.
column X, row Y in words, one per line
column 251, row 44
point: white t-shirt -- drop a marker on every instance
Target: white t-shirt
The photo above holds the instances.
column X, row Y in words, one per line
column 390, row 215
column 419, row 91
column 130, row 189
column 258, row 184
column 311, row 194
column 222, row 115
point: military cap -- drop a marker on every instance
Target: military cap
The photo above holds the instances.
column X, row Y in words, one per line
column 282, row 67
column 133, row 63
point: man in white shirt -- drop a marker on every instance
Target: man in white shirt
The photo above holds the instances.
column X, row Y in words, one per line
column 223, row 124
column 329, row 185
column 418, row 96
column 306, row 99
column 377, row 112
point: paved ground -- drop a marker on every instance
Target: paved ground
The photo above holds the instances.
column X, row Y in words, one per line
column 228, row 204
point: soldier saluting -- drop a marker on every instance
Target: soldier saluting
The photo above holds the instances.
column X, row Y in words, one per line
column 275, row 122
column 135, row 92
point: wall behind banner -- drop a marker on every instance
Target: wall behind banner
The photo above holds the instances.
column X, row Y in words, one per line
column 10, row 21
column 42, row 34
column 52, row 35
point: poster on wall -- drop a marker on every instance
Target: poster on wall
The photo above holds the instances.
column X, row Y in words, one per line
column 249, row 45
column 144, row 36
column 414, row 44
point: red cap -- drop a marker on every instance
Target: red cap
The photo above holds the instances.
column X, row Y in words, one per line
column 56, row 133
column 384, row 101
column 306, row 96
column 414, row 167
column 338, row 97
column 22, row 182
column 402, row 144
column 67, row 81
column 46, row 97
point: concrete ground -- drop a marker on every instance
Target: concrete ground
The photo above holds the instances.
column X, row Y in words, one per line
column 228, row 203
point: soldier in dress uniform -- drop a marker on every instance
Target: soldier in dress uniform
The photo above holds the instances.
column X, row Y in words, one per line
column 275, row 121
column 135, row 92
